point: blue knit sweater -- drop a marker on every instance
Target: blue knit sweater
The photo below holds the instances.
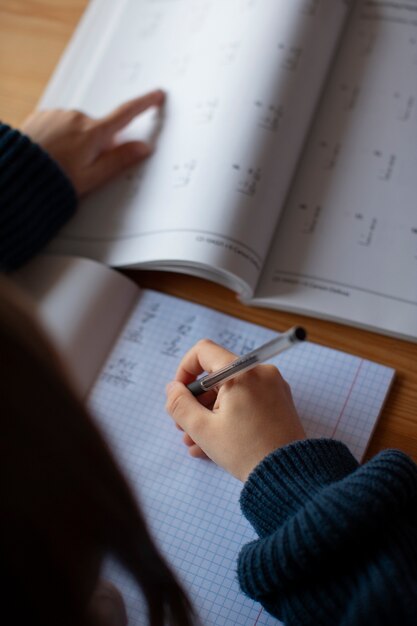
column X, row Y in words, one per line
column 36, row 198
column 337, row 541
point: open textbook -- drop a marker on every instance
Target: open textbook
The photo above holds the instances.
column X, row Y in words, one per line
column 285, row 160
column 122, row 346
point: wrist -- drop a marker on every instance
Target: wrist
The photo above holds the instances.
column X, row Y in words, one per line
column 291, row 476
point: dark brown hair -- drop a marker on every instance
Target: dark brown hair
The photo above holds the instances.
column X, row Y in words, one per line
column 64, row 502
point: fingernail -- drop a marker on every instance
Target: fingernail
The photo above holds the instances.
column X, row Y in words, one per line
column 161, row 93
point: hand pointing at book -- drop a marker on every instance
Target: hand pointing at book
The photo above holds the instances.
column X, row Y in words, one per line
column 237, row 427
column 86, row 148
column 58, row 157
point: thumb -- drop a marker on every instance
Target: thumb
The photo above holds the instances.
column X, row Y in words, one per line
column 113, row 162
column 185, row 410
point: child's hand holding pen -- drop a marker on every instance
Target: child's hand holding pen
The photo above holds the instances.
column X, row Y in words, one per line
column 239, row 423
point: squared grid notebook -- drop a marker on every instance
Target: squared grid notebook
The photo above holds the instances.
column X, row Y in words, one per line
column 191, row 505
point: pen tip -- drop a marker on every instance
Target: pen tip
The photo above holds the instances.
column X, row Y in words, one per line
column 300, row 333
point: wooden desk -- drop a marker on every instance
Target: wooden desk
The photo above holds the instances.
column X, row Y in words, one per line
column 33, row 35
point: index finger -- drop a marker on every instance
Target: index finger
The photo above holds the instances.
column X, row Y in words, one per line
column 204, row 356
column 126, row 112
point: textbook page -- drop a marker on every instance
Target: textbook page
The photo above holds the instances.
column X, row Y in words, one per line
column 82, row 305
column 346, row 245
column 242, row 79
column 192, row 505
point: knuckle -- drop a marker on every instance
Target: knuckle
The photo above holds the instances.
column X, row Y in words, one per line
column 272, row 371
column 78, row 120
column 204, row 343
column 76, row 116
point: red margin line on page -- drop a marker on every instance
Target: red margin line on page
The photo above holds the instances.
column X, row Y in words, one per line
column 347, row 398
column 259, row 615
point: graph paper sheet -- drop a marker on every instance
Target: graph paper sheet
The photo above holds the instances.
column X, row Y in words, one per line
column 192, row 505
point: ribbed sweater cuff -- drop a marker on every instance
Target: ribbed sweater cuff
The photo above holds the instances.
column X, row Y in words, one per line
column 318, row 513
column 289, row 477
column 36, row 198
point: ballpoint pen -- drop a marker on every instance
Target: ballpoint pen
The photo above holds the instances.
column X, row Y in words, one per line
column 245, row 362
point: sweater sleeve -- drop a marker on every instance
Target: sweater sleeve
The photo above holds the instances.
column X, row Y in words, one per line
column 337, row 541
column 36, row 198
